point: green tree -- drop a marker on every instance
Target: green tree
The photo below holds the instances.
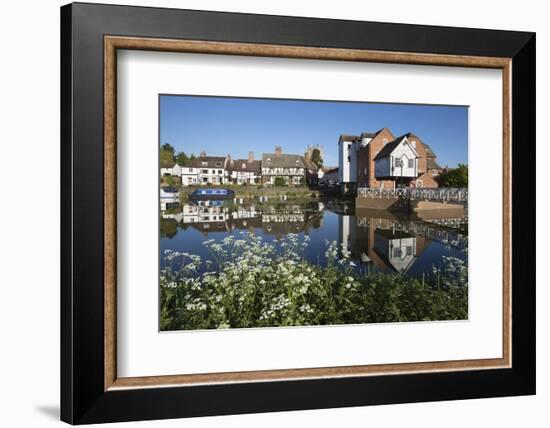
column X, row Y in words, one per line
column 316, row 158
column 454, row 177
column 182, row 159
column 280, row 181
column 168, row 147
column 166, row 158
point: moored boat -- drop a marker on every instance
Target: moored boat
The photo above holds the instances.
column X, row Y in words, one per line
column 211, row 194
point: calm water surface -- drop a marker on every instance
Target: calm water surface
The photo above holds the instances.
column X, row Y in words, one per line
column 379, row 240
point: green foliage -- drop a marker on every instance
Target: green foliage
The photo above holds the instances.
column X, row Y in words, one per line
column 251, row 283
column 280, row 181
column 169, row 180
column 168, row 148
column 454, row 177
column 166, row 158
column 302, row 181
column 316, row 158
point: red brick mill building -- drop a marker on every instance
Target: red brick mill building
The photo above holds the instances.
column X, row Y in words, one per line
column 380, row 160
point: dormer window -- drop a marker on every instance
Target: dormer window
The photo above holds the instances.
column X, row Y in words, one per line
column 268, row 160
column 203, row 163
column 244, row 166
column 218, row 164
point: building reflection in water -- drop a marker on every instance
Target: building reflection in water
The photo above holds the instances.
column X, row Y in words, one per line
column 211, row 216
column 376, row 239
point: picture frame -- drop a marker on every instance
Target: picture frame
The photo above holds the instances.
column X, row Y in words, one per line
column 91, row 391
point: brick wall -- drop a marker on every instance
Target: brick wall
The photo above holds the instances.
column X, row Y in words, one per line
column 365, row 161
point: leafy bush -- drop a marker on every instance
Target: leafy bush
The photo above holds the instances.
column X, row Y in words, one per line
column 454, row 177
column 280, row 181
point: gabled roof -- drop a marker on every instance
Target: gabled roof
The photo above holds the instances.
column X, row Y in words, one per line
column 211, row 162
column 429, row 152
column 244, row 165
column 391, row 146
column 273, row 160
column 371, row 134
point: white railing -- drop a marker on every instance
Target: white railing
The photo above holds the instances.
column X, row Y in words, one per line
column 444, row 194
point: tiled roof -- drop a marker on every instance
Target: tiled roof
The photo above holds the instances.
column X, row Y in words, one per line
column 244, row 165
column 272, row 160
column 351, row 138
column 211, row 162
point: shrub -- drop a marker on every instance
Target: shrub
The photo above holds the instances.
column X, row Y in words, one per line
column 280, row 182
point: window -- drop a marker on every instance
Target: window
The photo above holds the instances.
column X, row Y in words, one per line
column 365, row 171
column 220, row 172
column 411, row 163
column 218, row 164
column 397, row 162
column 397, row 252
column 385, row 141
column 204, row 171
column 203, row 163
column 413, row 143
column 409, row 250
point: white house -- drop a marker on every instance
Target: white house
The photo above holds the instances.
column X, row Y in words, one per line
column 398, row 160
column 244, row 171
column 189, row 175
column 206, row 170
column 173, row 170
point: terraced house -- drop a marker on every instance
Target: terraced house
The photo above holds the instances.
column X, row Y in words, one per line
column 205, row 170
column 243, row 171
column 290, row 168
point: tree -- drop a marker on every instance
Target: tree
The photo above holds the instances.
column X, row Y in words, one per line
column 182, row 159
column 316, row 158
column 166, row 158
column 280, row 181
column 454, row 177
column 168, row 147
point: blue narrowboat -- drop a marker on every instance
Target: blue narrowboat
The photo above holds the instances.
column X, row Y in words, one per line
column 211, row 194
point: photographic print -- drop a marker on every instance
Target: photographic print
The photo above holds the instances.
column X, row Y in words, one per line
column 282, row 212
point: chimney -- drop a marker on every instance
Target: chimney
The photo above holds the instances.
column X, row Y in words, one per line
column 278, row 150
column 250, row 156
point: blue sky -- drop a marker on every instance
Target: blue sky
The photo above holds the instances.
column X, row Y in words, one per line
column 238, row 125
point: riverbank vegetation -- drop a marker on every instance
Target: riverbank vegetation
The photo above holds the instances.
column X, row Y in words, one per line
column 251, row 283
